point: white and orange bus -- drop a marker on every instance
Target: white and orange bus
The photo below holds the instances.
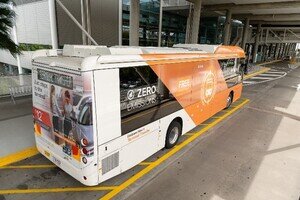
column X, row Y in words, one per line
column 99, row 111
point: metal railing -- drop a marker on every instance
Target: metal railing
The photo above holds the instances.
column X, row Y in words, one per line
column 7, row 82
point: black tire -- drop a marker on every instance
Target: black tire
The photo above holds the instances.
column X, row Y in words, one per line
column 229, row 100
column 173, row 134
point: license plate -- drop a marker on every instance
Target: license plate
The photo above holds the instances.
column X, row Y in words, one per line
column 56, row 161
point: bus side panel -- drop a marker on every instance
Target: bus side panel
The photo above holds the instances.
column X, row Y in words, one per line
column 165, row 122
column 128, row 150
column 194, row 85
column 138, row 145
column 107, row 97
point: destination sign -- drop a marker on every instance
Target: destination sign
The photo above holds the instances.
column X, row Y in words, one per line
column 55, row 78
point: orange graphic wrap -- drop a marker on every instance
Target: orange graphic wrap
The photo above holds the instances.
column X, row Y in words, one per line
column 198, row 86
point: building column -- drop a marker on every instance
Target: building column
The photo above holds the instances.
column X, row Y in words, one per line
column 227, row 27
column 285, row 49
column 53, row 24
column 276, row 51
column 245, row 33
column 256, row 43
column 160, row 22
column 193, row 23
column 134, row 22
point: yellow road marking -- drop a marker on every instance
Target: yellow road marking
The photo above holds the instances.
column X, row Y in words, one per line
column 45, row 190
column 15, row 157
column 178, row 147
column 204, row 124
column 145, row 163
column 27, row 166
column 265, row 69
column 274, row 61
column 189, row 134
column 215, row 117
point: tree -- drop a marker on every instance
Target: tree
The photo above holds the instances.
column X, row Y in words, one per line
column 7, row 20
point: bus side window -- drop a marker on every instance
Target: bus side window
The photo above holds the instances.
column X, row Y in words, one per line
column 228, row 67
column 138, row 89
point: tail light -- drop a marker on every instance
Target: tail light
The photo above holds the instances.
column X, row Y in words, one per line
column 84, row 142
column 84, row 151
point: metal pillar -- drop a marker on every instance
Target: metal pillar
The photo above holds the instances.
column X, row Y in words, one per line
column 75, row 21
column 53, row 24
column 88, row 19
column 258, row 31
column 160, row 22
column 194, row 32
column 134, row 22
column 227, row 27
column 83, row 20
column 245, row 33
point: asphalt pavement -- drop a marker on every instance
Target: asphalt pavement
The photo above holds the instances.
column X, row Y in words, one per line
column 254, row 155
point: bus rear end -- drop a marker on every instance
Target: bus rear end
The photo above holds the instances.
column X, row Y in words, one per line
column 63, row 120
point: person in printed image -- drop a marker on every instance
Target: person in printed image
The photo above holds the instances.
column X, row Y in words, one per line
column 56, row 113
column 67, row 107
column 67, row 112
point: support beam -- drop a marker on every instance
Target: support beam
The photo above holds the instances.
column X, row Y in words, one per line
column 255, row 50
column 254, row 6
column 283, row 23
column 75, row 21
column 53, row 24
column 245, row 33
column 227, row 27
column 134, row 22
column 268, row 17
column 195, row 23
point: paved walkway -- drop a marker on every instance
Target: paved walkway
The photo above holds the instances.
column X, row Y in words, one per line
column 16, row 127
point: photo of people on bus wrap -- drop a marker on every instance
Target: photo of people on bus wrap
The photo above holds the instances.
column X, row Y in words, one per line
column 69, row 107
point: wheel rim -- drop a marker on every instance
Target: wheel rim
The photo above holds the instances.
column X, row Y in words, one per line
column 228, row 101
column 174, row 134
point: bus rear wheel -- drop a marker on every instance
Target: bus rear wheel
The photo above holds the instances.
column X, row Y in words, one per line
column 229, row 100
column 173, row 134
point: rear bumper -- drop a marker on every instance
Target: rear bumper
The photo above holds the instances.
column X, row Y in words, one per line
column 90, row 172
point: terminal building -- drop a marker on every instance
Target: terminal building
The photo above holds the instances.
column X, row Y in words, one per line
column 264, row 29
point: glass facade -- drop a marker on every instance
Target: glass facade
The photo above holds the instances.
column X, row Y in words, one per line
column 173, row 26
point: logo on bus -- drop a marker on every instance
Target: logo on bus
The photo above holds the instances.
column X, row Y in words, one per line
column 208, row 87
column 130, row 95
column 141, row 92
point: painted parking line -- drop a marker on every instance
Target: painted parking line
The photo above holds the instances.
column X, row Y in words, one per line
column 178, row 147
column 145, row 163
column 114, row 190
column 47, row 190
column 46, row 166
column 21, row 155
column 270, row 62
column 27, row 166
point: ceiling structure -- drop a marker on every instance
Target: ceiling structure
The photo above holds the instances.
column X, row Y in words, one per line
column 279, row 11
